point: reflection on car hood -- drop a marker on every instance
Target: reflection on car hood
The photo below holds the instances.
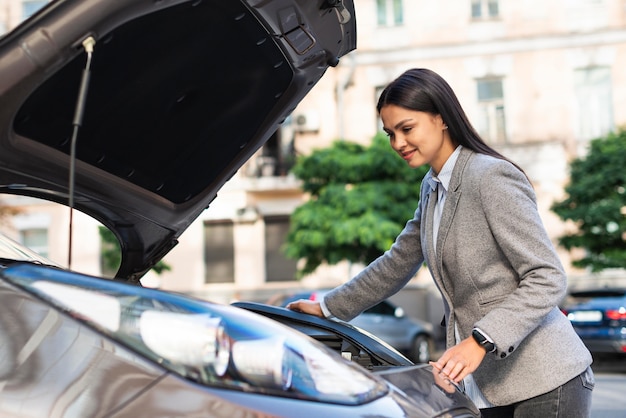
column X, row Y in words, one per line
column 180, row 95
column 429, row 392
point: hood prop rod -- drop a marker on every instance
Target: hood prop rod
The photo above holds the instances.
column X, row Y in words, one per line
column 88, row 45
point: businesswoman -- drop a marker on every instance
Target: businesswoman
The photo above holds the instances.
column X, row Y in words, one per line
column 478, row 229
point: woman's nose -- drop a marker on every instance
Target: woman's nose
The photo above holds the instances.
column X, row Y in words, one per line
column 398, row 142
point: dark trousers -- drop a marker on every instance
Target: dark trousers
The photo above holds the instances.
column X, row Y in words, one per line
column 571, row 400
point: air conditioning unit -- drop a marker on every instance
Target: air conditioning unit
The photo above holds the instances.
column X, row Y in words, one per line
column 306, row 121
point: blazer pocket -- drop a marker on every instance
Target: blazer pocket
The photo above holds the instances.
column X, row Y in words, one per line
column 487, row 305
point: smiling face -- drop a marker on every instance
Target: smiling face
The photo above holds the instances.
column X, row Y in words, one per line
column 418, row 137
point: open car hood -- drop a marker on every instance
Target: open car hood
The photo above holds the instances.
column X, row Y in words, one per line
column 180, row 94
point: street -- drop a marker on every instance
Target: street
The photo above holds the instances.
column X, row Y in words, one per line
column 609, row 395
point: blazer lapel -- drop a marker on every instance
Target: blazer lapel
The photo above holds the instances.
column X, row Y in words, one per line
column 452, row 199
column 428, row 244
column 435, row 259
column 453, row 195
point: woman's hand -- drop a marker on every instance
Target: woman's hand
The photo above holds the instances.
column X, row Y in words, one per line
column 459, row 361
column 306, row 306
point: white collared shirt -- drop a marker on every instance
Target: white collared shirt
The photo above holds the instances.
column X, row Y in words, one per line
column 441, row 182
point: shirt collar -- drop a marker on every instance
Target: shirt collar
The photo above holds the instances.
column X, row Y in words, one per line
column 445, row 175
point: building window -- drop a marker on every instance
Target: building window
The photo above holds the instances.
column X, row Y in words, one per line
column 485, row 9
column 276, row 158
column 491, row 118
column 36, row 239
column 219, row 252
column 389, row 12
column 278, row 267
column 278, row 155
column 592, row 87
column 30, row 7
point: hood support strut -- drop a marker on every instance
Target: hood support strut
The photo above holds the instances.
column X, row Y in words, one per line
column 88, row 45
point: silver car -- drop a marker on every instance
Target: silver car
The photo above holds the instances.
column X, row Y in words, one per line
column 136, row 113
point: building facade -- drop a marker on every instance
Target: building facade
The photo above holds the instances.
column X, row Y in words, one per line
column 538, row 79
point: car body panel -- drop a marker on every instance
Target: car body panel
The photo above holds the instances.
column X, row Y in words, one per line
column 179, row 94
column 184, row 400
column 421, row 396
column 54, row 366
column 590, row 313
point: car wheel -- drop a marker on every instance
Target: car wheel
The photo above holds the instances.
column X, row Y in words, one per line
column 421, row 349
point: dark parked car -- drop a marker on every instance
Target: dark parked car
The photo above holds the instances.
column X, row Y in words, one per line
column 599, row 317
column 136, row 113
column 387, row 321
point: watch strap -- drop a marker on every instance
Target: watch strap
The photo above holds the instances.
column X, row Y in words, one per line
column 483, row 340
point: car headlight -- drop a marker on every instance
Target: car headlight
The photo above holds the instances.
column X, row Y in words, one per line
column 195, row 340
column 264, row 362
column 248, row 351
column 211, row 344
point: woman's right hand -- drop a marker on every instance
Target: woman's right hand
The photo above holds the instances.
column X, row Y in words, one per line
column 306, row 306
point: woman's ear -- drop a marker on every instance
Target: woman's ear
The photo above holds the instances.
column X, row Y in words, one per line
column 444, row 126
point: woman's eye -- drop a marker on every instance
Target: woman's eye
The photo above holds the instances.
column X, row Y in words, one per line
column 407, row 129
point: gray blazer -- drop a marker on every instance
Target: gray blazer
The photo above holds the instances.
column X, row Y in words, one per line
column 496, row 270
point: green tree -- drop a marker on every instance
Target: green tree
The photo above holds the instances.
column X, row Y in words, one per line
column 360, row 199
column 596, row 202
column 112, row 255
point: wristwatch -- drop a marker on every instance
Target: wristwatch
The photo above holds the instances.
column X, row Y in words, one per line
column 483, row 340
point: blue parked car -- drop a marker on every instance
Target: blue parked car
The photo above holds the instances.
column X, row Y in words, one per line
column 599, row 317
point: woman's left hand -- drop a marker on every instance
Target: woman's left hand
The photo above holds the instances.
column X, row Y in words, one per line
column 459, row 361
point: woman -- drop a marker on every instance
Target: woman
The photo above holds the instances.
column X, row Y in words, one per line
column 478, row 229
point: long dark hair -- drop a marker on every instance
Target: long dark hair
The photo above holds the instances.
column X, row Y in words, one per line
column 424, row 90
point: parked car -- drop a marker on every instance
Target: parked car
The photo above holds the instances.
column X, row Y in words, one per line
column 599, row 318
column 136, row 113
column 387, row 321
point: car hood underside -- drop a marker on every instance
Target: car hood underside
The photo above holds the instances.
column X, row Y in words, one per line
column 179, row 95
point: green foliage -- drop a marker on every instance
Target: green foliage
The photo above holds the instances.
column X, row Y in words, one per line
column 112, row 256
column 596, row 202
column 361, row 198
